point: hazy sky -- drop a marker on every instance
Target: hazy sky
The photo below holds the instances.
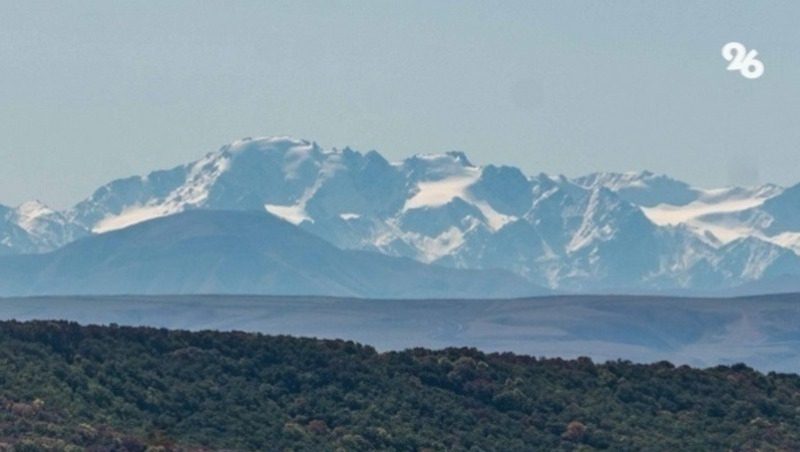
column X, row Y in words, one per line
column 95, row 90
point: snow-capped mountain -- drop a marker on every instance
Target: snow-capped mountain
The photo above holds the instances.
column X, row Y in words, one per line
column 602, row 232
column 32, row 227
column 13, row 239
column 720, row 216
column 775, row 219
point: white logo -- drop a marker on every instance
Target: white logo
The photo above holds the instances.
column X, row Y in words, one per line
column 743, row 61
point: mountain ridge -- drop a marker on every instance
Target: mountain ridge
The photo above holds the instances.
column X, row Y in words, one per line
column 237, row 252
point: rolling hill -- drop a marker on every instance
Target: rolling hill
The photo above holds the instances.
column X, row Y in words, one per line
column 204, row 251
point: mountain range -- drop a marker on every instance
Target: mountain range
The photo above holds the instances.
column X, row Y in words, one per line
column 604, row 232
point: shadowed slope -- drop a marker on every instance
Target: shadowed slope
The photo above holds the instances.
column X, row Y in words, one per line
column 236, row 252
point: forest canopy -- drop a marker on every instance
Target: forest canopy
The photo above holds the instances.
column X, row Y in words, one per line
column 66, row 386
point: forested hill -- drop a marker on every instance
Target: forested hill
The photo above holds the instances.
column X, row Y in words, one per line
column 120, row 388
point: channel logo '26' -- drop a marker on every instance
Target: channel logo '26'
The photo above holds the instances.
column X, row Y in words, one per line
column 743, row 61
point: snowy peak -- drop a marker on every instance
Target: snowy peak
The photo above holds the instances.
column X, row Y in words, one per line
column 616, row 181
column 752, row 258
column 292, row 178
column 505, row 189
column 644, row 188
column 33, row 209
column 34, row 215
column 604, row 217
column 784, row 208
column 236, row 170
column 460, row 156
column 717, row 216
column 758, row 194
column 432, row 167
column 33, row 227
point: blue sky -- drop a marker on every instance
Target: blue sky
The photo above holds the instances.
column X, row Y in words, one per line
column 95, row 90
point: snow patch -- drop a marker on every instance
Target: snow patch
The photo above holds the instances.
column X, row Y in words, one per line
column 442, row 245
column 495, row 219
column 440, row 192
column 667, row 214
column 131, row 216
column 294, row 214
column 718, row 201
column 790, row 240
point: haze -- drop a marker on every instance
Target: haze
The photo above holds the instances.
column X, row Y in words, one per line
column 95, row 90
